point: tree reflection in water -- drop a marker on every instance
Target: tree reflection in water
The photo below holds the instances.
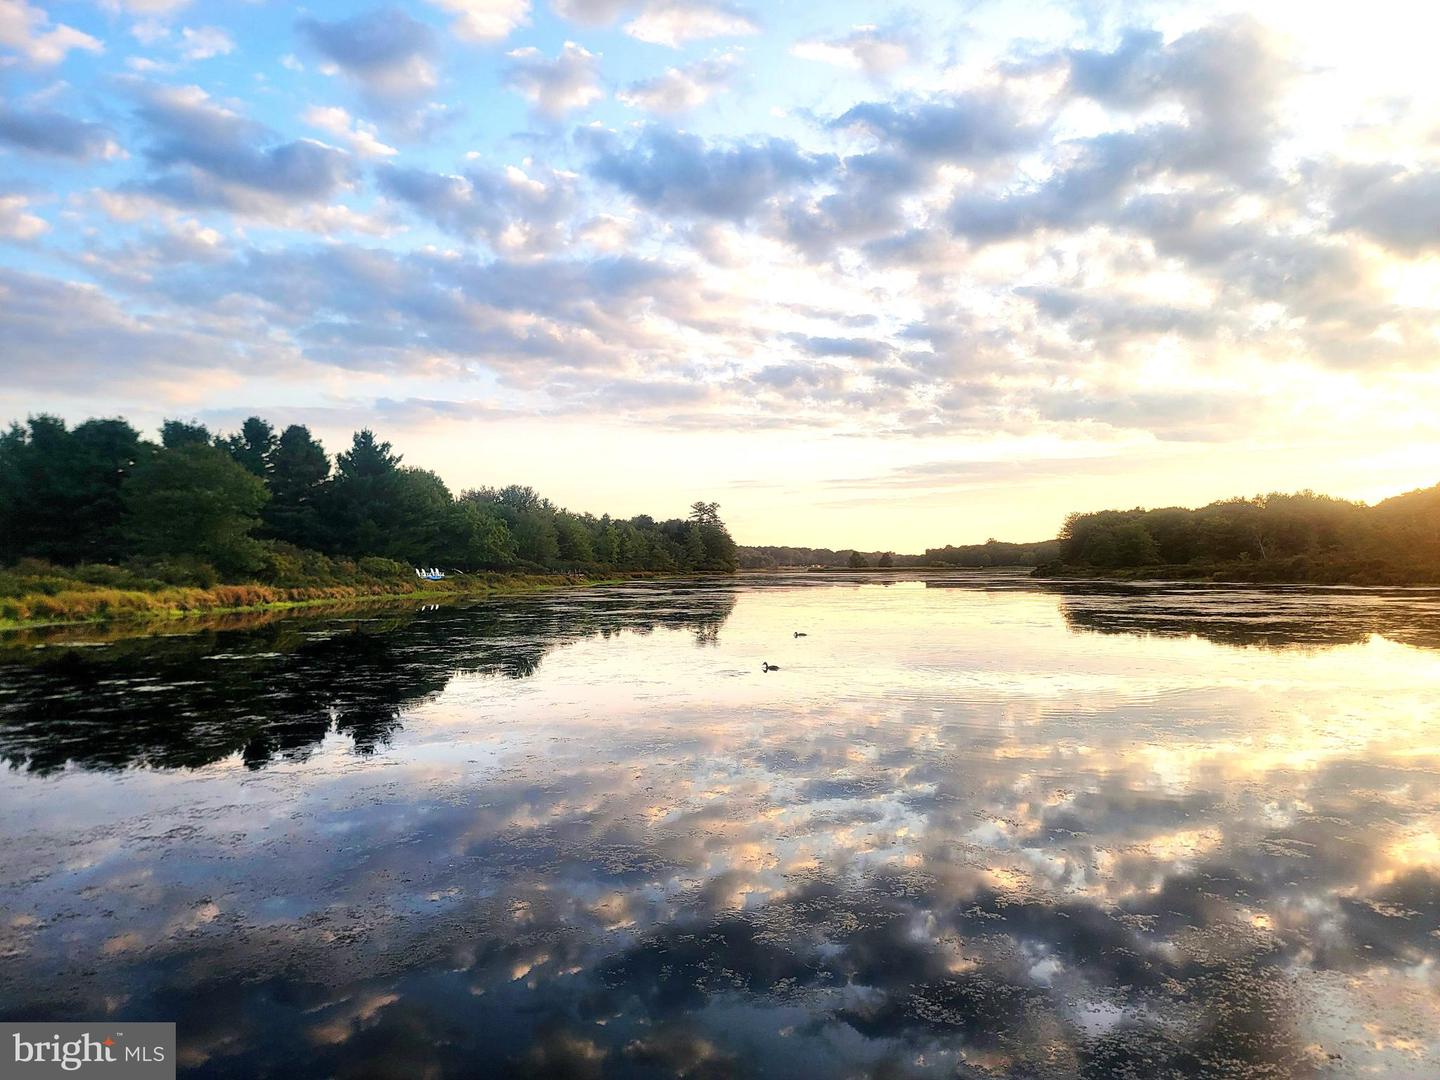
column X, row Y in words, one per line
column 184, row 702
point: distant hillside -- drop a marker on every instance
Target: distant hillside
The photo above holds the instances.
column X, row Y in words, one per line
column 990, row 553
column 1303, row 537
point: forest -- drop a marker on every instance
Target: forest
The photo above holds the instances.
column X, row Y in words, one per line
column 970, row 556
column 259, row 505
column 1302, row 537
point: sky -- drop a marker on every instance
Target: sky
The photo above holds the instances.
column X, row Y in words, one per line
column 867, row 274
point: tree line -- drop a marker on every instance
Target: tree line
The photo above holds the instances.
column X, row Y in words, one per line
column 1276, row 537
column 257, row 503
column 990, row 553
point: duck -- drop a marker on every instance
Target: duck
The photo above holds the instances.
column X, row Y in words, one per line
column 767, row 666
column 801, row 633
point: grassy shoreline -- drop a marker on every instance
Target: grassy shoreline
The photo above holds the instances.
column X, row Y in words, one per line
column 96, row 605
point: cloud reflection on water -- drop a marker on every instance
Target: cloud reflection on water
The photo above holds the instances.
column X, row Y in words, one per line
column 951, row 836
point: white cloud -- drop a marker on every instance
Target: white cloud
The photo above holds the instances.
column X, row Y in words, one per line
column 678, row 89
column 674, row 22
column 486, row 20
column 145, row 7
column 385, row 51
column 866, row 48
column 356, row 134
column 28, row 31
column 555, row 87
column 590, row 12
column 15, row 223
column 149, row 31
column 203, row 42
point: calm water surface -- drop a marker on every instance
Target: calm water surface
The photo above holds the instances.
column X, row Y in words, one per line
column 983, row 828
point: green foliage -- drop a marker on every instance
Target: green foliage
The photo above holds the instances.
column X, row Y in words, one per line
column 298, row 468
column 478, row 538
column 60, row 489
column 573, row 540
column 194, row 500
column 374, row 506
column 1276, row 537
column 857, row 561
column 257, row 506
column 993, row 553
column 367, row 458
column 177, row 433
column 990, row 553
column 253, row 447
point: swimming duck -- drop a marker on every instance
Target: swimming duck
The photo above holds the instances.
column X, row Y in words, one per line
column 767, row 666
column 801, row 633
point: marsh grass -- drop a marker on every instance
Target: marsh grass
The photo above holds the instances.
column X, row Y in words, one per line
column 35, row 593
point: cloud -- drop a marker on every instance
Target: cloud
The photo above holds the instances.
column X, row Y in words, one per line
column 149, row 31
column 865, row 48
column 969, row 128
column 29, row 32
column 15, row 223
column 57, row 135
column 678, row 172
column 554, row 87
column 75, row 338
column 1177, row 415
column 208, row 155
column 1398, row 208
column 386, row 52
column 1228, row 77
column 1115, row 238
column 485, row 20
column 1102, row 172
column 508, row 209
column 356, row 134
column 854, row 348
column 372, row 309
column 679, row 89
column 201, row 43
column 1102, row 315
column 866, row 201
column 674, row 22
column 146, row 7
column 590, row 12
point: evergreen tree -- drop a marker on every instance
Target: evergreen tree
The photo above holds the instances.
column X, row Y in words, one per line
column 177, row 433
column 299, row 468
column 60, row 490
column 195, row 500
column 694, row 552
column 254, row 446
column 367, row 458
column 353, row 511
column 100, row 492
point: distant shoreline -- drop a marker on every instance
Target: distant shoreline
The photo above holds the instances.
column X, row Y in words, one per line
column 1297, row 571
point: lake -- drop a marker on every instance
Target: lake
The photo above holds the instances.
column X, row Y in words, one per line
column 972, row 826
